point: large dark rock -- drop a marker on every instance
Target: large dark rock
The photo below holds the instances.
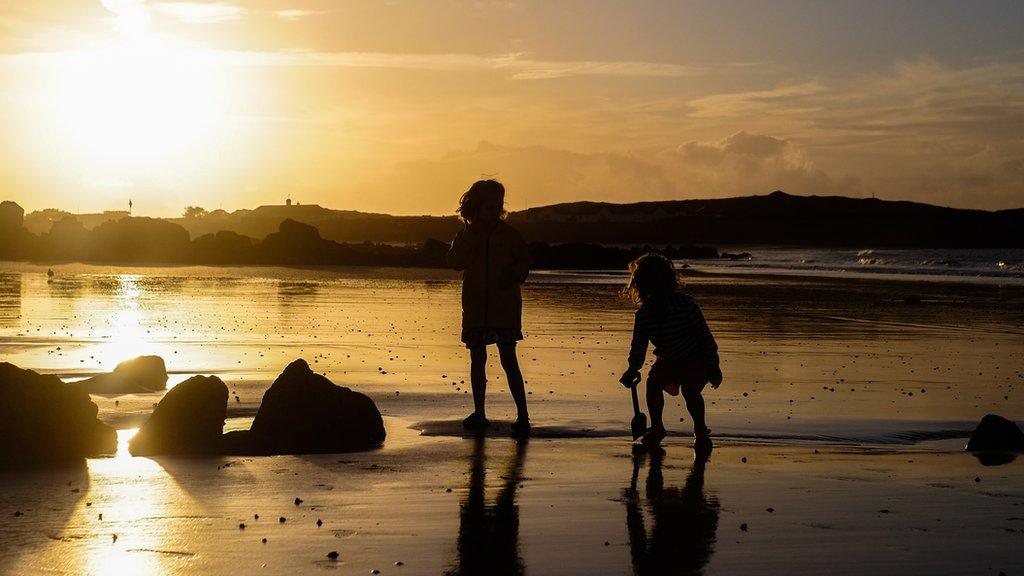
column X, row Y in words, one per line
column 305, row 413
column 138, row 375
column 188, row 420
column 996, row 434
column 42, row 419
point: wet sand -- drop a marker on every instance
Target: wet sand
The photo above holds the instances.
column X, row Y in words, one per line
column 550, row 506
column 849, row 406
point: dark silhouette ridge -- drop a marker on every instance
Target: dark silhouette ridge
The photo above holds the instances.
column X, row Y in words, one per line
column 488, row 542
column 684, row 521
column 43, row 420
column 773, row 219
column 149, row 240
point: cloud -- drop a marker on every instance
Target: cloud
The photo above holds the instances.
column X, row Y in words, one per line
column 295, row 14
column 200, row 12
column 519, row 66
column 741, row 164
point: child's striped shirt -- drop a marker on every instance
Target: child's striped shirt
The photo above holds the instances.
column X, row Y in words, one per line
column 677, row 329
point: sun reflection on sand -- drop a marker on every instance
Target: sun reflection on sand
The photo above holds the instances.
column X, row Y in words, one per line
column 134, row 496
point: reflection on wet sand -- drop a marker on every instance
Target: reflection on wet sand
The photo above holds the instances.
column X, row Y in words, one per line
column 489, row 534
column 10, row 299
column 684, row 521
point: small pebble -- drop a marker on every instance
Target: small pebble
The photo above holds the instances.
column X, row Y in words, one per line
column 319, row 522
column 241, row 525
column 264, row 540
column 282, row 519
column 333, row 555
column 298, row 501
column 743, row 527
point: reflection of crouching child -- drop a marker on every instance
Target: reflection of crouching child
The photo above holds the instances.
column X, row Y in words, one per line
column 686, row 354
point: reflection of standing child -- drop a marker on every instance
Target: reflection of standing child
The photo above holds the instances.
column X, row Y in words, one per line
column 686, row 355
column 495, row 261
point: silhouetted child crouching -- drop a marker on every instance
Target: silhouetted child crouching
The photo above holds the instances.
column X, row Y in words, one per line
column 686, row 354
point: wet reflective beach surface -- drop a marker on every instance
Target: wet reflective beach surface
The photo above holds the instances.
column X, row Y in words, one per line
column 844, row 405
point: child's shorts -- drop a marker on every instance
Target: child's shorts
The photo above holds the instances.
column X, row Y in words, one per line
column 480, row 337
column 670, row 375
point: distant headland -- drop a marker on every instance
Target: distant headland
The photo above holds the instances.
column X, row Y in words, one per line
column 574, row 235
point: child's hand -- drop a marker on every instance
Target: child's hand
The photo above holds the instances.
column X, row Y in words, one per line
column 715, row 377
column 630, row 378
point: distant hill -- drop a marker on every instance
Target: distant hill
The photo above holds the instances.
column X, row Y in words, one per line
column 773, row 219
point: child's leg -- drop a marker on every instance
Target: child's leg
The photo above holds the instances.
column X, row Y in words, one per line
column 510, row 362
column 478, row 378
column 655, row 400
column 695, row 406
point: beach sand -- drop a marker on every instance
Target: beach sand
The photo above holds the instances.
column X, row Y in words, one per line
column 850, row 407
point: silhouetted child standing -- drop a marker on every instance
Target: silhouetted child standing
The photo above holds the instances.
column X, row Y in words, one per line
column 495, row 261
column 686, row 354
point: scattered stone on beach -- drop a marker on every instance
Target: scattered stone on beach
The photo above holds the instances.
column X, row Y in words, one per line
column 305, row 413
column 263, row 540
column 399, row 563
column 44, row 420
column 298, row 501
column 770, row 510
column 241, row 525
column 743, row 527
column 319, row 522
column 333, row 555
column 188, row 420
column 138, row 375
column 996, row 434
column 282, row 519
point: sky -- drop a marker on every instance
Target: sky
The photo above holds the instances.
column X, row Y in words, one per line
column 398, row 106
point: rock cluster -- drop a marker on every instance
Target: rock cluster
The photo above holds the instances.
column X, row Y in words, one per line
column 42, row 419
column 301, row 413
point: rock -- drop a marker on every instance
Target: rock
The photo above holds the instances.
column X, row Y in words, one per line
column 996, row 434
column 188, row 420
column 305, row 413
column 42, row 420
column 138, row 375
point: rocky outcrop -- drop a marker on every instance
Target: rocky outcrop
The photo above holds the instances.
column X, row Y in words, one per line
column 188, row 420
column 138, row 375
column 42, row 419
column 305, row 413
column 996, row 434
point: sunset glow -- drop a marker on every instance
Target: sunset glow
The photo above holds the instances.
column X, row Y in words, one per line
column 351, row 106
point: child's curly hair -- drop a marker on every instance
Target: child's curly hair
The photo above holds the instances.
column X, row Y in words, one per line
column 471, row 201
column 651, row 277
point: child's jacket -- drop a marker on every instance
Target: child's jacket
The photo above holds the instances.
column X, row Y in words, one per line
column 678, row 331
column 493, row 265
